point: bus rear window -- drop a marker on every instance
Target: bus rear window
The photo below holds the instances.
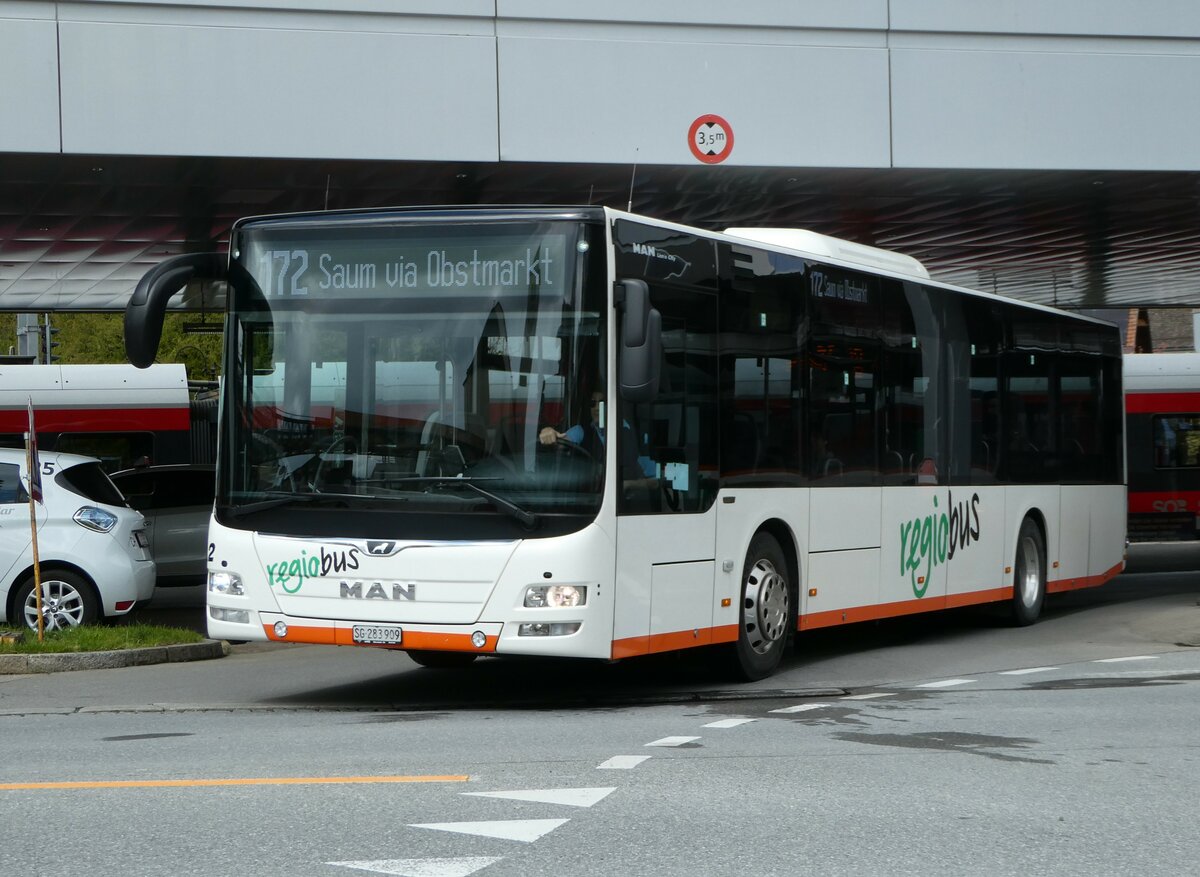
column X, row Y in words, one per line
column 1177, row 441
column 90, row 481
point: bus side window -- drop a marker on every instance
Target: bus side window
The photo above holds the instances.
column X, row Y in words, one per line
column 674, row 435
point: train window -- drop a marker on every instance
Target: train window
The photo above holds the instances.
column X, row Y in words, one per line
column 1177, row 441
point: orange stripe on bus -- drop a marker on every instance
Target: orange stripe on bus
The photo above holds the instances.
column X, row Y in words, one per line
column 252, row 781
column 1057, row 587
column 411, row 639
column 854, row 614
column 654, row 643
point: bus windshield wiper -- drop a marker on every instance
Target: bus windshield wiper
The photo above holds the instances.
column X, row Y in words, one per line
column 280, row 499
column 510, row 508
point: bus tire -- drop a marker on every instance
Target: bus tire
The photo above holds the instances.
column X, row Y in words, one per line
column 766, row 609
column 1029, row 575
column 67, row 601
column 441, row 660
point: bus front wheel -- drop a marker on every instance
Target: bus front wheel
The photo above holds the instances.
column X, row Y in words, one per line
column 766, row 609
column 1029, row 575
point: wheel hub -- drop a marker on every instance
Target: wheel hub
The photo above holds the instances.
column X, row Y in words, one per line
column 765, row 606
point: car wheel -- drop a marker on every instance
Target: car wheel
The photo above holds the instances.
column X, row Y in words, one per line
column 67, row 601
column 766, row 614
column 1029, row 575
column 442, row 660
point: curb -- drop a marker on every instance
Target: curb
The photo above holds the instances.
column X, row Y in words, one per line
column 56, row 662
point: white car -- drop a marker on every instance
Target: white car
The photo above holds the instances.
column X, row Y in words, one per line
column 93, row 549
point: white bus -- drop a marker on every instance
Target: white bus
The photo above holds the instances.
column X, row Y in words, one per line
column 807, row 433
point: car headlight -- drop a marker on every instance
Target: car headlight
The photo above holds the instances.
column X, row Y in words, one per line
column 95, row 519
column 555, row 596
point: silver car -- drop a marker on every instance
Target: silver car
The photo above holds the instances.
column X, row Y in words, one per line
column 177, row 501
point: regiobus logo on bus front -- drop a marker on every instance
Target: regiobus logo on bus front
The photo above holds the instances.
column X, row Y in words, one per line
column 932, row 539
column 291, row 574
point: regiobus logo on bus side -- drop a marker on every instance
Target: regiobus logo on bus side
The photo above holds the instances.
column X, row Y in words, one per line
column 932, row 539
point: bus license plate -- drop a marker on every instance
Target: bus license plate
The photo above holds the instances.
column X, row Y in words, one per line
column 376, row 634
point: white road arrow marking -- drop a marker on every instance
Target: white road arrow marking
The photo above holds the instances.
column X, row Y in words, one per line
column 524, row 830
column 423, row 867
column 569, row 797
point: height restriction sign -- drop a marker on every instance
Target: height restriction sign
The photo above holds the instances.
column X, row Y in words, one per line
column 711, row 139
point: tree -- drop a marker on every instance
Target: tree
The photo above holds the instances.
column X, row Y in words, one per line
column 100, row 338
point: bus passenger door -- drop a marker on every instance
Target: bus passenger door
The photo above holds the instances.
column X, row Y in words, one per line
column 665, row 469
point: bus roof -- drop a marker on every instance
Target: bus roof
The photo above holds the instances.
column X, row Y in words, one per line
column 800, row 241
column 832, row 248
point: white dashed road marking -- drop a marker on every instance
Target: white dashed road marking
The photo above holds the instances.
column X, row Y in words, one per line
column 802, row 708
column 1026, row 671
column 1131, row 658
column 869, row 696
column 728, row 723
column 423, row 867
column 622, row 762
column 672, row 741
column 524, row 830
column 946, row 683
column 568, row 797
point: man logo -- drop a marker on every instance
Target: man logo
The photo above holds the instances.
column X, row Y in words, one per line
column 380, row 549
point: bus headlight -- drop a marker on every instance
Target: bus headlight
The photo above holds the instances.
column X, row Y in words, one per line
column 226, row 583
column 555, row 596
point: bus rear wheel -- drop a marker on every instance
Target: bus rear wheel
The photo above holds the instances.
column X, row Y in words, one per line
column 1029, row 575
column 441, row 660
column 766, row 614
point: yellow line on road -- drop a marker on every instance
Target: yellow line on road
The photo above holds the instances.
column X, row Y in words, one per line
column 250, row 781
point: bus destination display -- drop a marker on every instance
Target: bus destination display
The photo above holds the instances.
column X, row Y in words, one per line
column 330, row 269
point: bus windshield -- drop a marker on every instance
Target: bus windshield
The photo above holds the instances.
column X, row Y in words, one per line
column 400, row 373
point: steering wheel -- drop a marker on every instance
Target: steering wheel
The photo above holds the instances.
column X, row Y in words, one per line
column 568, row 446
column 264, row 451
column 339, row 441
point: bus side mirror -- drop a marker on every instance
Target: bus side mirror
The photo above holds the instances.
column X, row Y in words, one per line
column 640, row 352
column 148, row 305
